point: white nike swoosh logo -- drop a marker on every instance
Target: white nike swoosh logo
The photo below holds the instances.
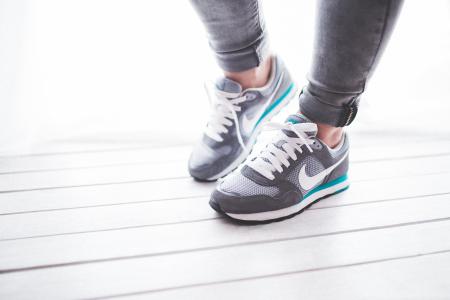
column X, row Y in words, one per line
column 308, row 182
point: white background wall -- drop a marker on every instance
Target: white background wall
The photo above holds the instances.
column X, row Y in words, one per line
column 133, row 70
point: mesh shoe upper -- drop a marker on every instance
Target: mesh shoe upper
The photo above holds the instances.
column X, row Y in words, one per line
column 248, row 191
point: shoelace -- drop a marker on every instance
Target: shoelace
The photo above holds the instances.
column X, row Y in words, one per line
column 272, row 158
column 224, row 114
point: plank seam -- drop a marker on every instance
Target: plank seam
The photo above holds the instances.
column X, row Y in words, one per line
column 206, row 196
column 103, row 166
column 218, row 247
column 209, row 219
column 174, row 178
column 159, row 146
column 105, row 205
column 100, row 166
column 273, row 275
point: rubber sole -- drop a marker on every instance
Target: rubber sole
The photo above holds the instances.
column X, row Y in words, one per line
column 289, row 212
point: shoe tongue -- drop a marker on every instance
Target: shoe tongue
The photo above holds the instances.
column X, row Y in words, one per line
column 228, row 86
column 296, row 119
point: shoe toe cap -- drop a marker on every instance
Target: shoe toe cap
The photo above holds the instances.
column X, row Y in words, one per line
column 225, row 199
column 205, row 162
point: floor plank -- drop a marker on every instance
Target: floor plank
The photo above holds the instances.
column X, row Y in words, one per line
column 64, row 161
column 194, row 236
column 73, row 223
column 151, row 172
column 107, row 158
column 221, row 265
column 414, row 278
column 153, row 213
column 114, row 194
column 142, row 191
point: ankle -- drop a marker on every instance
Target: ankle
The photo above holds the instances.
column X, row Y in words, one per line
column 253, row 78
column 329, row 135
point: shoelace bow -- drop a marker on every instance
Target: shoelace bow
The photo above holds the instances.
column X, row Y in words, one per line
column 272, row 158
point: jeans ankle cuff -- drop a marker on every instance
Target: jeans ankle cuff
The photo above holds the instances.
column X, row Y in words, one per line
column 319, row 111
column 245, row 58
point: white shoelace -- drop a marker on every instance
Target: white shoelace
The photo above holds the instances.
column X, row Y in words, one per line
column 272, row 158
column 225, row 105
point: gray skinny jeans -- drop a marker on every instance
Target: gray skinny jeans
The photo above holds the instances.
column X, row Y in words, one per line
column 350, row 37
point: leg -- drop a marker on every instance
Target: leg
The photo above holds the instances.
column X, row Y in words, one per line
column 350, row 38
column 236, row 32
column 308, row 160
column 237, row 35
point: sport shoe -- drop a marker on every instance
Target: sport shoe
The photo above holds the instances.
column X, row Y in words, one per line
column 291, row 173
column 237, row 120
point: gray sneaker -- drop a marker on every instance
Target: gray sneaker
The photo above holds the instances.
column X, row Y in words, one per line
column 294, row 171
column 237, row 120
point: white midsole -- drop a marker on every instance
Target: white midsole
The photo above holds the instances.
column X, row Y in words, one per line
column 276, row 214
column 252, row 140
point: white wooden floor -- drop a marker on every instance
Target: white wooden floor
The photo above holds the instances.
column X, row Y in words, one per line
column 130, row 223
